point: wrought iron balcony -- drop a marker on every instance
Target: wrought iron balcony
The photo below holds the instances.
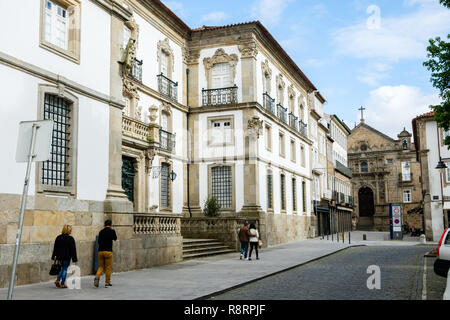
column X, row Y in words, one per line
column 136, row 70
column 269, row 103
column 293, row 121
column 303, row 128
column 167, row 87
column 220, row 96
column 166, row 140
column 282, row 113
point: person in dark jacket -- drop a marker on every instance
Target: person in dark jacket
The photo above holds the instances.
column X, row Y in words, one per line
column 244, row 234
column 105, row 255
column 64, row 250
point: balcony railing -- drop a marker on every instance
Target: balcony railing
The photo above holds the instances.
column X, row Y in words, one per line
column 282, row 113
column 167, row 87
column 293, row 121
column 405, row 177
column 269, row 103
column 135, row 128
column 136, row 70
column 303, row 128
column 166, row 140
column 220, row 96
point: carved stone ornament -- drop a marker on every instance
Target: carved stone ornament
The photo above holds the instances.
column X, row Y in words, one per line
column 255, row 126
column 130, row 89
column 165, row 107
column 130, row 55
column 149, row 156
column 164, row 46
column 248, row 49
column 153, row 114
column 139, row 113
column 291, row 92
column 266, row 71
column 220, row 56
column 280, row 82
column 190, row 56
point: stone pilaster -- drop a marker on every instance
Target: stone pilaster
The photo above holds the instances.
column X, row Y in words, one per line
column 116, row 200
column 248, row 68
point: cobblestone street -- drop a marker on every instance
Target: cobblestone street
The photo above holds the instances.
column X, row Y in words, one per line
column 343, row 276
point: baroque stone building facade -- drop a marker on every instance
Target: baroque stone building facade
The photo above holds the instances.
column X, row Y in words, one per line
column 385, row 171
column 153, row 117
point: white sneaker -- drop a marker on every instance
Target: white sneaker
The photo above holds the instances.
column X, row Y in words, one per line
column 246, row 259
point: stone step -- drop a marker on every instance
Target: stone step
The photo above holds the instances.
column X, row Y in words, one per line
column 204, row 249
column 207, row 253
column 197, row 248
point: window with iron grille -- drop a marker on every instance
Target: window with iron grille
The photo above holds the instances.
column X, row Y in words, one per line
column 269, row 190
column 221, row 185
column 283, row 192
column 304, row 195
column 56, row 170
column 294, row 195
column 165, row 185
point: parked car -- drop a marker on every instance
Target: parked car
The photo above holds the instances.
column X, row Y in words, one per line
column 442, row 263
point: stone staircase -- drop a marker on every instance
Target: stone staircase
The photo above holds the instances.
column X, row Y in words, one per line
column 196, row 248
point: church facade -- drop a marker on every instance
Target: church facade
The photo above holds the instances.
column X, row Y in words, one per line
column 385, row 170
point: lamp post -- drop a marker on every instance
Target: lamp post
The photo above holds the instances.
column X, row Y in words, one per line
column 172, row 175
column 441, row 166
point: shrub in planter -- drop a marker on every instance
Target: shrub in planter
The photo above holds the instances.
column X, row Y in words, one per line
column 211, row 207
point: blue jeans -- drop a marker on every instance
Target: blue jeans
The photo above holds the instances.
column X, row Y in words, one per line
column 244, row 248
column 63, row 273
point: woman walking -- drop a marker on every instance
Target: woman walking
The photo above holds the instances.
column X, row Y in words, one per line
column 254, row 241
column 64, row 250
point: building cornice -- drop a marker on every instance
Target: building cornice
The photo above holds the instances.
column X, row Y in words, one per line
column 59, row 79
column 115, row 8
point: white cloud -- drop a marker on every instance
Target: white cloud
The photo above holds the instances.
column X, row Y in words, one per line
column 269, row 12
column 390, row 108
column 401, row 37
column 374, row 72
column 215, row 17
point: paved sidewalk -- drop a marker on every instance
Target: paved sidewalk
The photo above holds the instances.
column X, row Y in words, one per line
column 197, row 278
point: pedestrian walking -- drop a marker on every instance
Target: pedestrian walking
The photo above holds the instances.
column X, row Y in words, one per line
column 244, row 235
column 254, row 241
column 64, row 250
column 105, row 255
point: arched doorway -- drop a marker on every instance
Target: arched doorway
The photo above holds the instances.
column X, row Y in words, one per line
column 366, row 208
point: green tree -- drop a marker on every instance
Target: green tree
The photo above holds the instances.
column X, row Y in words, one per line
column 212, row 207
column 439, row 65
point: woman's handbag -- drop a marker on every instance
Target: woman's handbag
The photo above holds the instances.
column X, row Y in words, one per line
column 260, row 243
column 55, row 269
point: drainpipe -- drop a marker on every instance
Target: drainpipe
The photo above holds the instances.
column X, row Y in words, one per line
column 187, row 138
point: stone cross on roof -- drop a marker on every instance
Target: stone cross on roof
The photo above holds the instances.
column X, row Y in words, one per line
column 362, row 113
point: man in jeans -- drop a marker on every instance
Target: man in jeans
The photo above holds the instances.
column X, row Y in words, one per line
column 105, row 255
column 244, row 234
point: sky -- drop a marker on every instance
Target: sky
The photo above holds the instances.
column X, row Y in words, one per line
column 356, row 52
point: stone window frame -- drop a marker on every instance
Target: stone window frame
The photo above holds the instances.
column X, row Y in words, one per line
column 283, row 195
column 269, row 172
column 304, row 206
column 294, row 195
column 71, row 189
column 446, row 179
column 168, row 209
column 220, row 56
column 281, row 144
column 232, row 209
column 302, row 155
column 74, row 31
column 291, row 98
column 293, row 150
column 164, row 47
column 210, row 120
column 268, row 136
column 266, row 77
column 167, row 110
column 280, row 89
column 410, row 196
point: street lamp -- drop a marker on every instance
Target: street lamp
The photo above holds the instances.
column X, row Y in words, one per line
column 441, row 166
column 172, row 175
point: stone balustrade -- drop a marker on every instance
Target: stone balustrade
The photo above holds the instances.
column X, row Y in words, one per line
column 135, row 128
column 156, row 224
